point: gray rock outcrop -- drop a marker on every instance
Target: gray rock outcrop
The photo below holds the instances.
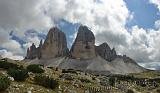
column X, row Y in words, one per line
column 39, row 50
column 106, row 52
column 32, row 52
column 55, row 44
column 84, row 55
column 83, row 46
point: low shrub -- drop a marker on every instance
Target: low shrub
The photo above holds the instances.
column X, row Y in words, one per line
column 50, row 67
column 85, row 80
column 66, row 77
column 18, row 74
column 158, row 90
column 35, row 68
column 112, row 81
column 4, row 83
column 46, row 81
column 6, row 65
column 130, row 91
column 69, row 71
column 93, row 78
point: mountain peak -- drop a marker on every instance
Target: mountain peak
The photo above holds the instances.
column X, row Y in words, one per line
column 54, row 52
column 85, row 35
column 84, row 44
column 106, row 52
column 55, row 44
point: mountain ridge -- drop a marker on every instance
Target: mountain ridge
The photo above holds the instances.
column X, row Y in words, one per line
column 83, row 55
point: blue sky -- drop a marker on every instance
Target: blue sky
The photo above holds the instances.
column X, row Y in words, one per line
column 145, row 13
column 69, row 29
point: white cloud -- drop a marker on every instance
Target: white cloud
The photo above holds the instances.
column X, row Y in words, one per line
column 157, row 24
column 29, row 41
column 106, row 18
column 35, row 40
column 105, row 15
column 151, row 65
column 8, row 44
column 21, row 15
column 7, row 54
column 138, row 45
column 156, row 2
column 13, row 46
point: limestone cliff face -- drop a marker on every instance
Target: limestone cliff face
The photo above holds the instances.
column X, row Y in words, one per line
column 55, row 44
column 39, row 50
column 102, row 58
column 106, row 52
column 32, row 52
column 83, row 46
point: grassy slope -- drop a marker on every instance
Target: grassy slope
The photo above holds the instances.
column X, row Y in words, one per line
column 147, row 74
column 23, row 87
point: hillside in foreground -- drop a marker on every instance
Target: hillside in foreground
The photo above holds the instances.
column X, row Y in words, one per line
column 71, row 81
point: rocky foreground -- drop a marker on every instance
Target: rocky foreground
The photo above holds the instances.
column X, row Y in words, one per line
column 75, row 81
column 84, row 55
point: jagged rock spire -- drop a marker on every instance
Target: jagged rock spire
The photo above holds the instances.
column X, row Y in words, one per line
column 31, row 52
column 105, row 52
column 28, row 53
column 32, row 47
column 40, row 44
column 83, row 46
column 55, row 44
column 39, row 50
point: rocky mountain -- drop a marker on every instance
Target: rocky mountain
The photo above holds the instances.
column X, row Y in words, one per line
column 55, row 44
column 83, row 55
column 84, row 44
column 32, row 52
column 106, row 52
